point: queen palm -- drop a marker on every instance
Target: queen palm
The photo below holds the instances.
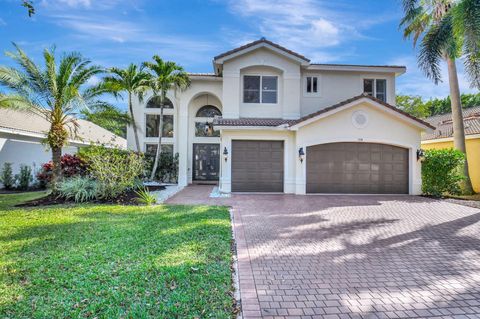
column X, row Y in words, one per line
column 133, row 81
column 448, row 30
column 167, row 75
column 55, row 92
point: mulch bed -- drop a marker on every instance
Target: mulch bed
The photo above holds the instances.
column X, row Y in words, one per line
column 127, row 198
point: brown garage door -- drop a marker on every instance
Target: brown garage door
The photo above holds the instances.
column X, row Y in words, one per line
column 357, row 168
column 257, row 166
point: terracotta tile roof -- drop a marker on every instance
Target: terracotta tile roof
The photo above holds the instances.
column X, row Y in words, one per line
column 21, row 122
column 262, row 40
column 202, row 74
column 277, row 122
column 251, row 122
column 362, row 65
column 443, row 122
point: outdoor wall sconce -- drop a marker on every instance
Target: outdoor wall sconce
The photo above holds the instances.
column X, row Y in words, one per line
column 301, row 154
column 225, row 153
column 420, row 154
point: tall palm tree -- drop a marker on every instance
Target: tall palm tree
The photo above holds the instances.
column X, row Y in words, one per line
column 133, row 81
column 167, row 75
column 55, row 91
column 448, row 30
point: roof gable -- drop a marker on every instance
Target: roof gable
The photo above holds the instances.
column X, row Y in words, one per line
column 355, row 101
column 261, row 43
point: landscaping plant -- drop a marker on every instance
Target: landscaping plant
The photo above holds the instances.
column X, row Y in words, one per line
column 71, row 165
column 25, row 177
column 55, row 91
column 79, row 188
column 145, row 197
column 6, row 176
column 167, row 75
column 441, row 172
column 116, row 171
column 447, row 30
column 167, row 171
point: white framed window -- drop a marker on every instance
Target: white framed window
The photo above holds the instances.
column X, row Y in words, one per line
column 260, row 89
column 376, row 88
column 311, row 85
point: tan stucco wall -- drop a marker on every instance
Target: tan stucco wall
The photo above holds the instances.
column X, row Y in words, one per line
column 473, row 157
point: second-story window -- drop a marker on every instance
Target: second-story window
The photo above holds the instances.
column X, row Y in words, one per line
column 376, row 88
column 260, row 89
column 312, row 84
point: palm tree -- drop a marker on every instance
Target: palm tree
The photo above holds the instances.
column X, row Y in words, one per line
column 55, row 92
column 166, row 76
column 448, row 30
column 133, row 81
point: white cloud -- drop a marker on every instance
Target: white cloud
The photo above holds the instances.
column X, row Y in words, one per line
column 313, row 28
column 414, row 81
column 2, row 23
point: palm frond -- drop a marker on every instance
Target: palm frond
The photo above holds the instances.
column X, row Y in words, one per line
column 466, row 26
column 434, row 45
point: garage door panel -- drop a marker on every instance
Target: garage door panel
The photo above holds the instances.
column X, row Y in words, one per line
column 357, row 168
column 257, row 166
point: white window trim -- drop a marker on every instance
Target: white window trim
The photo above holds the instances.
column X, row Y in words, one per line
column 375, row 78
column 261, row 80
column 319, row 85
column 163, row 143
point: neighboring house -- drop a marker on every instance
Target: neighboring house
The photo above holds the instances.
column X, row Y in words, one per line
column 269, row 120
column 21, row 136
column 442, row 137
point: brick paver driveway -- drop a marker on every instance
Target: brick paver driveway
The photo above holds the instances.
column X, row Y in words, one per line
column 353, row 256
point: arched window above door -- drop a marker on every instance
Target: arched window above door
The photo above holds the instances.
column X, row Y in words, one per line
column 155, row 103
column 208, row 111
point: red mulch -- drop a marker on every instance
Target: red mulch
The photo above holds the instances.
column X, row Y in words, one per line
column 127, row 198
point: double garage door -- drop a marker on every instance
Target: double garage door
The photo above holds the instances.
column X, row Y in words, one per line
column 351, row 168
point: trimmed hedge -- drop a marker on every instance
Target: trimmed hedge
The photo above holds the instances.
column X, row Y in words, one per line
column 441, row 172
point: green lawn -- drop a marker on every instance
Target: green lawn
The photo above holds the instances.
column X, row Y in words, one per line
column 105, row 261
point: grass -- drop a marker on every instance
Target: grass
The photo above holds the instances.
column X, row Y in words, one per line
column 105, row 261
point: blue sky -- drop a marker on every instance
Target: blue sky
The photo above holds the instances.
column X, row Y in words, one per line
column 118, row 32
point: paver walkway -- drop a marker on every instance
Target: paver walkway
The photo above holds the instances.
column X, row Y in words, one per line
column 353, row 256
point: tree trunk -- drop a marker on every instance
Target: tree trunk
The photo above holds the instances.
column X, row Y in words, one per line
column 57, row 166
column 457, row 119
column 134, row 124
column 159, row 147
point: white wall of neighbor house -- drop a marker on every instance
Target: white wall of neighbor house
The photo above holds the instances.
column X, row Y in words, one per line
column 382, row 127
column 30, row 151
column 290, row 155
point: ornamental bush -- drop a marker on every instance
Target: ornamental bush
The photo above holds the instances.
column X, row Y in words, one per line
column 6, row 176
column 80, row 189
column 116, row 171
column 441, row 172
column 72, row 165
column 24, row 178
column 167, row 171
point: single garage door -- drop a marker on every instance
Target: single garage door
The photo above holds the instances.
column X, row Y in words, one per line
column 357, row 168
column 257, row 166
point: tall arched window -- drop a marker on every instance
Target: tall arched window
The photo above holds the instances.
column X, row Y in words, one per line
column 155, row 103
column 208, row 111
column 204, row 128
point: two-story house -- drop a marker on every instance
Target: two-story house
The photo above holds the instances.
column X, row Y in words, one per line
column 268, row 120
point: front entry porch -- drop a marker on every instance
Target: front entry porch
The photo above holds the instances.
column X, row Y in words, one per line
column 206, row 163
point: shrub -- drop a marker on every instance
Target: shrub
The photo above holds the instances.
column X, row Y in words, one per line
column 72, row 165
column 6, row 176
column 145, row 197
column 25, row 177
column 167, row 170
column 441, row 172
column 115, row 170
column 79, row 188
